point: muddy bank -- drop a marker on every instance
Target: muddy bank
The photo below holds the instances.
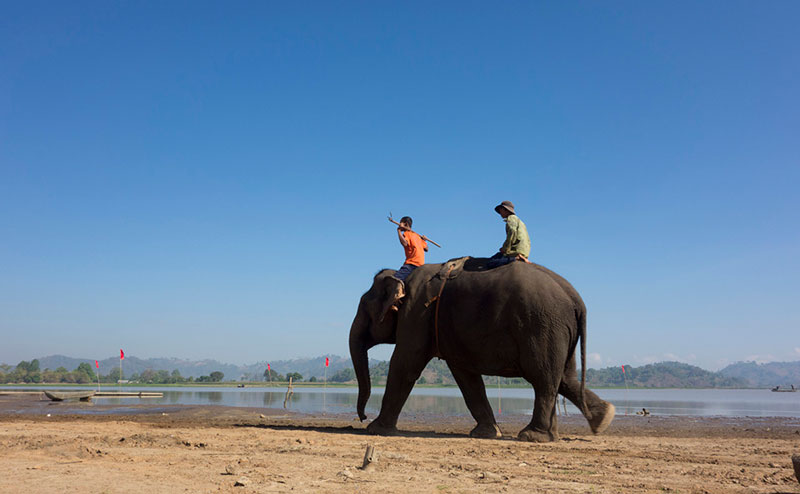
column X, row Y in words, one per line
column 89, row 448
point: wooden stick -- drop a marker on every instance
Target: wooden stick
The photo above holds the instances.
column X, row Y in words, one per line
column 412, row 231
column 289, row 392
column 369, row 458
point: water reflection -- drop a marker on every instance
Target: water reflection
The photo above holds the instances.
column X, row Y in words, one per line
column 448, row 401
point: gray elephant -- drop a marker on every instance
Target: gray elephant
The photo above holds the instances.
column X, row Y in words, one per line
column 518, row 320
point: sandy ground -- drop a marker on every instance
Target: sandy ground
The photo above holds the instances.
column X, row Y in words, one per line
column 149, row 449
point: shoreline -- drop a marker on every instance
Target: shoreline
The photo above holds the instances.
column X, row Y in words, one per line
column 302, row 384
column 23, row 407
column 205, row 448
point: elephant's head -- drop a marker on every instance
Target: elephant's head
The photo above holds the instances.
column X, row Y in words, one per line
column 374, row 323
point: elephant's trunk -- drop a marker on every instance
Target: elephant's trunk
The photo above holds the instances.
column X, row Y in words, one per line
column 359, row 344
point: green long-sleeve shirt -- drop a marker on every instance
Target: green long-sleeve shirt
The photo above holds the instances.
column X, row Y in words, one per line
column 517, row 239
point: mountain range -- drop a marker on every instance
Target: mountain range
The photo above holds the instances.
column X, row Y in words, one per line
column 768, row 374
column 664, row 374
column 308, row 367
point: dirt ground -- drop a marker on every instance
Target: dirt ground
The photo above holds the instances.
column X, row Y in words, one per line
column 70, row 447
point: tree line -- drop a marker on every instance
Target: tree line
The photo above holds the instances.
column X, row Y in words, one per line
column 661, row 375
column 272, row 375
column 30, row 373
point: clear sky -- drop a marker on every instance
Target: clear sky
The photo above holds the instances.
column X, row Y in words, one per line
column 212, row 179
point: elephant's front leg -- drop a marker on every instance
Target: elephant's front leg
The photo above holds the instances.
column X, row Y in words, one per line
column 474, row 392
column 404, row 370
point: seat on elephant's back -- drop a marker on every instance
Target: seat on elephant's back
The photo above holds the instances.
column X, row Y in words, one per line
column 450, row 270
column 454, row 267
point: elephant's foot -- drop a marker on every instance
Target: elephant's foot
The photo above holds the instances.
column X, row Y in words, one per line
column 488, row 431
column 601, row 417
column 533, row 436
column 375, row 428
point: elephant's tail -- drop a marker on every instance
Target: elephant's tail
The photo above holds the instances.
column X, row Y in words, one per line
column 582, row 337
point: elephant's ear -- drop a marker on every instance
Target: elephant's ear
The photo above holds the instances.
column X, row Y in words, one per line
column 388, row 291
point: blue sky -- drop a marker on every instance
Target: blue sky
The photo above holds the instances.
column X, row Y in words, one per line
column 211, row 180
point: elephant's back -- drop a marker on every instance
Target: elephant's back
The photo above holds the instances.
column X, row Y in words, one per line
column 565, row 285
column 533, row 282
column 533, row 285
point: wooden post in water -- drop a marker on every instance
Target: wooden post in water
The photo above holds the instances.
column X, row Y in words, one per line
column 289, row 392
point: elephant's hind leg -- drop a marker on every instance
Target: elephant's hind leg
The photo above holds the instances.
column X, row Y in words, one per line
column 599, row 413
column 544, row 426
column 474, row 392
column 545, row 377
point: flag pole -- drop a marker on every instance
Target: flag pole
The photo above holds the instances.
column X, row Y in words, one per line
column 325, row 386
column 625, row 376
column 499, row 398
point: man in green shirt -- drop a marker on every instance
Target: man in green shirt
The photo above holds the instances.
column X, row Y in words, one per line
column 517, row 246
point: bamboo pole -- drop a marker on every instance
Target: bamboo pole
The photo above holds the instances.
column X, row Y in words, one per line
column 499, row 398
column 370, row 457
column 625, row 377
column 412, row 231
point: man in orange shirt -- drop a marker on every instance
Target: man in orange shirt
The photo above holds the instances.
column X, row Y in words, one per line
column 415, row 248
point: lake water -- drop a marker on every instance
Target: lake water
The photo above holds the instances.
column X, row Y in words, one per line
column 448, row 401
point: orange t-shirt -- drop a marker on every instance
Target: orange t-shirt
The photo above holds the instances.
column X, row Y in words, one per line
column 415, row 250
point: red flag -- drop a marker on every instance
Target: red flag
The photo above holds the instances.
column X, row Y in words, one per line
column 96, row 364
column 326, row 361
column 623, row 369
column 269, row 368
column 121, row 354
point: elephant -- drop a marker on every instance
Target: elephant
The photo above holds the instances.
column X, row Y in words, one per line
column 517, row 320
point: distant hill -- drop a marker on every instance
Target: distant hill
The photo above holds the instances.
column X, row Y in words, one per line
column 662, row 375
column 133, row 365
column 765, row 375
column 307, row 367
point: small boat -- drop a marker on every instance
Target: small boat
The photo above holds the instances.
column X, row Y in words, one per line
column 777, row 389
column 69, row 395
